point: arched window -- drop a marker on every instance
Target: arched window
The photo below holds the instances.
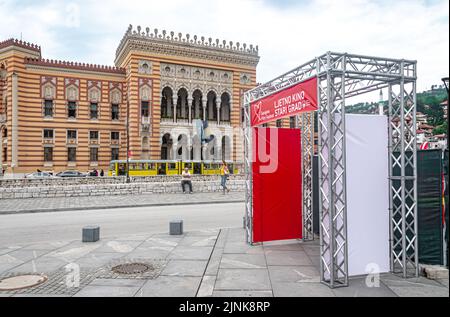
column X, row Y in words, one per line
column 211, row 107
column 197, row 105
column 166, row 146
column 166, row 103
column 182, row 103
column 225, row 107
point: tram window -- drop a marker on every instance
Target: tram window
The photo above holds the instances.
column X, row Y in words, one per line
column 172, row 166
column 143, row 166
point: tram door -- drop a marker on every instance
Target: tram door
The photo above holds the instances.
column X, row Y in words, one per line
column 122, row 169
column 197, row 168
column 162, row 169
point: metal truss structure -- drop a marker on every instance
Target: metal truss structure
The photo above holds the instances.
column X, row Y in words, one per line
column 340, row 76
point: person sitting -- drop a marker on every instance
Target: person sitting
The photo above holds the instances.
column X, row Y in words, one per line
column 186, row 179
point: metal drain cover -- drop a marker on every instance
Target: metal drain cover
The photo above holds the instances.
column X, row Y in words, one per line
column 131, row 268
column 21, row 282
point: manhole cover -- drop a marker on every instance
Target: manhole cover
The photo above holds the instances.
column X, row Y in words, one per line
column 131, row 268
column 21, row 282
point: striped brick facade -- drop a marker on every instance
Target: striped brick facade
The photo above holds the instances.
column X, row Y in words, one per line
column 28, row 83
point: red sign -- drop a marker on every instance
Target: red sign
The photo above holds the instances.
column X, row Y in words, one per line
column 288, row 102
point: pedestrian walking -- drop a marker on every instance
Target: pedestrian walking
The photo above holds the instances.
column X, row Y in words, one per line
column 224, row 174
column 186, row 179
column 102, row 173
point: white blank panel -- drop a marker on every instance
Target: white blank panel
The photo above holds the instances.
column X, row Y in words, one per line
column 367, row 193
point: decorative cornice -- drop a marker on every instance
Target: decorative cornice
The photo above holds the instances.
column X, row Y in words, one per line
column 169, row 44
column 15, row 42
column 75, row 65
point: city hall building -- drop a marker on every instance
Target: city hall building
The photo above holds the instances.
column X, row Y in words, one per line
column 59, row 115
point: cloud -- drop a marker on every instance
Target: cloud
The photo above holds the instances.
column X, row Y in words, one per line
column 288, row 33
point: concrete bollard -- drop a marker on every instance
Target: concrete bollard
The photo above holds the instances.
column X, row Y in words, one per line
column 176, row 227
column 91, row 234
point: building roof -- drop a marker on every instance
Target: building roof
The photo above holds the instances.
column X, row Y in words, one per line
column 184, row 45
column 19, row 43
column 426, row 126
column 74, row 65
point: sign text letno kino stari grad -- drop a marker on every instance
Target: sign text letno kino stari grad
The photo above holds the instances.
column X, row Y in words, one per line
column 291, row 101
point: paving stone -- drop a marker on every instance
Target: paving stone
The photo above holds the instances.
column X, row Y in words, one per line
column 41, row 265
column 4, row 251
column 243, row 261
column 27, row 255
column 242, row 294
column 170, row 286
column 157, row 241
column 74, row 251
column 119, row 246
column 284, row 247
column 243, row 279
column 301, row 290
column 93, row 260
column 185, row 268
column 107, row 291
column 358, row 288
column 415, row 287
column 214, row 262
column 156, row 253
column 276, row 258
column 52, row 245
column 296, row 274
column 121, row 282
column 235, row 247
column 190, row 253
column 198, row 241
column 204, row 232
column 207, row 286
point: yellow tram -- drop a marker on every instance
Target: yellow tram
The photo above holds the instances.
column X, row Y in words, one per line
column 168, row 167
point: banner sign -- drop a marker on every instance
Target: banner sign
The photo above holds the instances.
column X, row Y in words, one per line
column 286, row 103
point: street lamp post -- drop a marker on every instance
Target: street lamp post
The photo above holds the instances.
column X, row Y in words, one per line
column 128, row 139
column 446, row 254
column 445, row 80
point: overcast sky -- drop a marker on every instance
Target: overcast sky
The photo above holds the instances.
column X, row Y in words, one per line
column 288, row 32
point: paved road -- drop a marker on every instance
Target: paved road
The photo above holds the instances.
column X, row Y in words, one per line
column 66, row 225
column 29, row 205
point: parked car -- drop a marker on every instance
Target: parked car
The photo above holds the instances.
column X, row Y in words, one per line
column 71, row 174
column 39, row 175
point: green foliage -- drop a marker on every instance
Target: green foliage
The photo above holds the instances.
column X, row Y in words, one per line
column 441, row 129
column 428, row 102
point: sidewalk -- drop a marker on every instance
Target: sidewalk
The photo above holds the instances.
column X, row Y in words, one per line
column 28, row 205
column 201, row 263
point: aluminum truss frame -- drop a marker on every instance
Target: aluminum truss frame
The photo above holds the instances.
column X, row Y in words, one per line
column 306, row 122
column 340, row 76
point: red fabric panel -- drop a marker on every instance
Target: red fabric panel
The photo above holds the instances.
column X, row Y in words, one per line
column 277, row 196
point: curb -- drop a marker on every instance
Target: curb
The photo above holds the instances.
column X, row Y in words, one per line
column 120, row 206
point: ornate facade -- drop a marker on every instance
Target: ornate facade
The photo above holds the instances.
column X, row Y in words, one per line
column 57, row 115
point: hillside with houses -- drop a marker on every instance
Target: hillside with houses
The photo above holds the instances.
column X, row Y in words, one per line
column 431, row 116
